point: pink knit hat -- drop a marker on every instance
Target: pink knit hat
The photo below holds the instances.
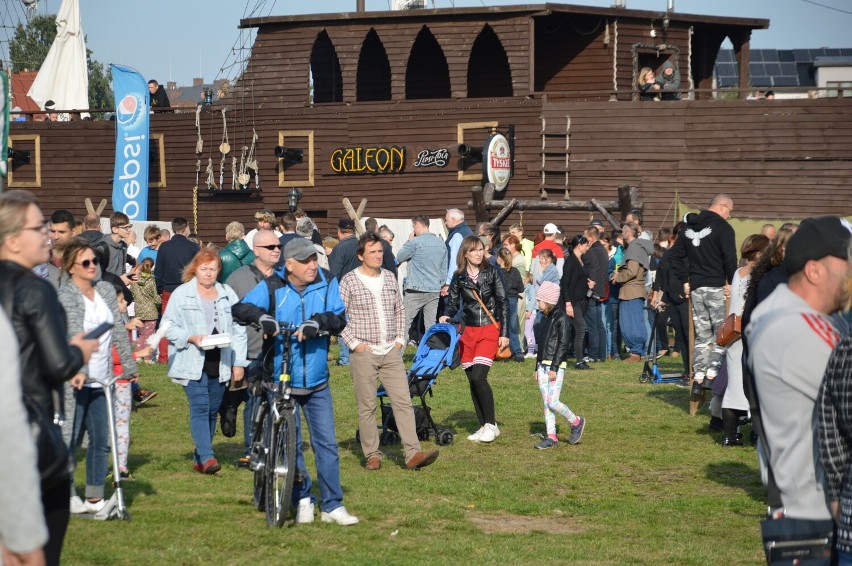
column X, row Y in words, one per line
column 548, row 292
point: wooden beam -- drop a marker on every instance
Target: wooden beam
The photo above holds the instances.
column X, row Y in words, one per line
column 609, row 218
column 578, row 205
column 506, row 211
column 628, row 199
column 356, row 215
column 479, row 205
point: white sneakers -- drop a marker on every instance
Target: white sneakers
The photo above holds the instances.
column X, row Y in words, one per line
column 305, row 511
column 77, row 506
column 487, row 433
column 340, row 516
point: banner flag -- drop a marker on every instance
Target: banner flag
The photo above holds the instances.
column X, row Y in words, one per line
column 4, row 123
column 130, row 178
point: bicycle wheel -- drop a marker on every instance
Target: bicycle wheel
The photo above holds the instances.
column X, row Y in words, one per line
column 260, row 454
column 281, row 470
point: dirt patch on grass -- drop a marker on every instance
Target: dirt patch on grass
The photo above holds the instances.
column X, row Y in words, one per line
column 525, row 524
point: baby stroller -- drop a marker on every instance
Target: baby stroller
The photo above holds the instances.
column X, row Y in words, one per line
column 438, row 349
column 651, row 370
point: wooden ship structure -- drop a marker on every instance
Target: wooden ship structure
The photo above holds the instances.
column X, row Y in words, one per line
column 375, row 105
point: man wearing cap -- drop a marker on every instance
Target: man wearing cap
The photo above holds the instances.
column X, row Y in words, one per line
column 790, row 338
column 308, row 298
column 341, row 261
column 704, row 257
column 265, row 221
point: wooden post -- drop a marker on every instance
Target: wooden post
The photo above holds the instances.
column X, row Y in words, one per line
column 609, row 218
column 628, row 199
column 479, row 209
column 355, row 215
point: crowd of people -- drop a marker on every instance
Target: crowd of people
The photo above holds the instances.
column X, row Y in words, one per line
column 568, row 302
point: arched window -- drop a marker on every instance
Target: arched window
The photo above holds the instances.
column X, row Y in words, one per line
column 488, row 72
column 427, row 74
column 325, row 71
column 374, row 72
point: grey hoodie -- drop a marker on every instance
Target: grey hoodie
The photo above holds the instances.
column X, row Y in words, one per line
column 670, row 86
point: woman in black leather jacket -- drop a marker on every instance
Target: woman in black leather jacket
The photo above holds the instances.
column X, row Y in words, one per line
column 476, row 280
column 46, row 357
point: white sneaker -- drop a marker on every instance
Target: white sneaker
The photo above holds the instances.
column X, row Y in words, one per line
column 94, row 506
column 475, row 436
column 305, row 511
column 340, row 516
column 489, row 433
column 77, row 505
column 496, row 431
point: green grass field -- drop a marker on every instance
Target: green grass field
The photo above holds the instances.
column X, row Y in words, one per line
column 648, row 484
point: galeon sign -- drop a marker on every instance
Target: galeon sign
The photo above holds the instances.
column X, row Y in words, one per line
column 368, row 160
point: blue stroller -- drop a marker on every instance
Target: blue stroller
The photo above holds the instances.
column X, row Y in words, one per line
column 438, row 349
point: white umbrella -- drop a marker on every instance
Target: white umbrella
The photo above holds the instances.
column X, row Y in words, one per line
column 64, row 76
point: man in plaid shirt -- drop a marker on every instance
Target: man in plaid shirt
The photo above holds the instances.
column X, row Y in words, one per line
column 375, row 335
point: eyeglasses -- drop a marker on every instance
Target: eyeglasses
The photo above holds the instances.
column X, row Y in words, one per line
column 40, row 228
column 126, row 227
column 270, row 247
column 87, row 263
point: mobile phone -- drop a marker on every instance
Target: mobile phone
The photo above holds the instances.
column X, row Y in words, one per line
column 99, row 331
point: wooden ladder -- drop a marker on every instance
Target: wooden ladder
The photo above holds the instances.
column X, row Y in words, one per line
column 555, row 154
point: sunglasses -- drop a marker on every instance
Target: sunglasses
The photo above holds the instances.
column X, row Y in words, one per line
column 270, row 247
column 86, row 263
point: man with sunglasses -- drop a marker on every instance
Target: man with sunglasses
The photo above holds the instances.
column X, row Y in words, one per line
column 267, row 253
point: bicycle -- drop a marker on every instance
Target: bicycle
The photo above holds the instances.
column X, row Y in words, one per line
column 273, row 452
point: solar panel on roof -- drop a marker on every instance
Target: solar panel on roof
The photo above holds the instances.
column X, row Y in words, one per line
column 758, row 69
column 725, row 56
column 773, row 69
column 770, row 56
column 802, row 56
column 786, row 56
column 846, row 52
column 726, row 69
column 785, row 81
column 756, row 55
column 789, row 69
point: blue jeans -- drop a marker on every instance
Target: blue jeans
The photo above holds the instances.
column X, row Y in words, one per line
column 844, row 558
column 596, row 330
column 254, row 372
column 344, row 353
column 92, row 410
column 205, row 397
column 514, row 340
column 319, row 416
column 634, row 325
column 609, row 328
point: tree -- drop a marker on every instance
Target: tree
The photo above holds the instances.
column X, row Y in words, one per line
column 28, row 50
column 29, row 47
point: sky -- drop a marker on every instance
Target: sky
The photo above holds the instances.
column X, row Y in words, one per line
column 181, row 39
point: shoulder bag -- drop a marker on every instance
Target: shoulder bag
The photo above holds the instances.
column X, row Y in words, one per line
column 730, row 331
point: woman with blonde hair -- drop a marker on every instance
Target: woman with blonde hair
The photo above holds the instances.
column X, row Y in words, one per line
column 477, row 288
column 198, row 310
column 647, row 84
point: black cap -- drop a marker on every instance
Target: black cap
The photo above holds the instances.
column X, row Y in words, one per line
column 346, row 224
column 815, row 239
column 49, row 105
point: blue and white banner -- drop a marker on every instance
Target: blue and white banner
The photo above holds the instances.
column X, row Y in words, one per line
column 130, row 178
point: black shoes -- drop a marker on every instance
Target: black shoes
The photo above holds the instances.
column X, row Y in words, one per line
column 707, row 384
column 518, row 358
column 582, row 365
column 716, row 424
column 684, row 382
column 697, row 388
column 729, row 442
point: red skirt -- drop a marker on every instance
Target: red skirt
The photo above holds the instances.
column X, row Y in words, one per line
column 478, row 345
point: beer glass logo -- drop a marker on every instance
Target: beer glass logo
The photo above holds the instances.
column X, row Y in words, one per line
column 129, row 110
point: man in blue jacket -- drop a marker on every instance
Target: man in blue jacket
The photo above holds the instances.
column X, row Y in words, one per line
column 309, row 298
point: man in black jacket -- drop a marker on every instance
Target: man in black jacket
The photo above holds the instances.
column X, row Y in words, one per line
column 596, row 261
column 172, row 257
column 47, row 359
column 708, row 244
column 159, row 98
